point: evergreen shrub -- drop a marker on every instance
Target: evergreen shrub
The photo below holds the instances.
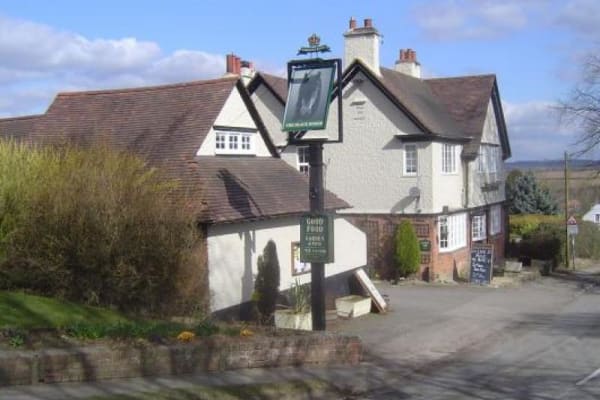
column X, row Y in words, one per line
column 266, row 286
column 546, row 242
column 407, row 251
column 523, row 224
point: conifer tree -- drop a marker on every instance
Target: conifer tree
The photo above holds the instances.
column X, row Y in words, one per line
column 407, row 254
column 266, row 286
column 526, row 196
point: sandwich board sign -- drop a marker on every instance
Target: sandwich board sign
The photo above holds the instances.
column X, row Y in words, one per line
column 368, row 286
column 481, row 264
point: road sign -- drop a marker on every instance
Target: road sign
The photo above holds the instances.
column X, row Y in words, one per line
column 572, row 228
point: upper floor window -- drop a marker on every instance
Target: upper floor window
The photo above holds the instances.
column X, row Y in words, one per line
column 449, row 158
column 496, row 219
column 478, row 227
column 228, row 142
column 452, row 232
column 488, row 159
column 411, row 159
column 303, row 165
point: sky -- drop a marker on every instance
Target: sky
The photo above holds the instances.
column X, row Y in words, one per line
column 535, row 48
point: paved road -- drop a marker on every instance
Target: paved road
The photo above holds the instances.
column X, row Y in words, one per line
column 540, row 341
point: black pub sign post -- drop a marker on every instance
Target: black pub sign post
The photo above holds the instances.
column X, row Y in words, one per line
column 310, row 89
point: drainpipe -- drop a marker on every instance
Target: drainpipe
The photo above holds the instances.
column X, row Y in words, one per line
column 466, row 186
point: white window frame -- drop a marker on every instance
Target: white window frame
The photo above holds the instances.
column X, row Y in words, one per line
column 413, row 151
column 478, row 228
column 488, row 160
column 220, row 141
column 495, row 219
column 302, row 159
column 480, row 159
column 231, row 142
column 452, row 232
column 449, row 161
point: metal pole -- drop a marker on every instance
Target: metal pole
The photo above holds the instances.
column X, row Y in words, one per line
column 573, row 249
column 317, row 206
column 566, row 210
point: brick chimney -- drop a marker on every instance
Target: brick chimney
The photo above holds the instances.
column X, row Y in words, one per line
column 233, row 64
column 243, row 69
column 362, row 43
column 408, row 64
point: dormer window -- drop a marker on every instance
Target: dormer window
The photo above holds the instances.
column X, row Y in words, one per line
column 232, row 142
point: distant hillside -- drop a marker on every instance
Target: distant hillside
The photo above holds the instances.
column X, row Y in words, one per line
column 552, row 165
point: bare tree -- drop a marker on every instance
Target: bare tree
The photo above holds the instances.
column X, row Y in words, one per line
column 582, row 108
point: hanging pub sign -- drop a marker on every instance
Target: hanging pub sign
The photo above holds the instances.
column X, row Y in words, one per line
column 316, row 238
column 310, row 84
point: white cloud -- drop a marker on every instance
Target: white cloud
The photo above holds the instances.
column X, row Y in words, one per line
column 581, row 17
column 187, row 65
column 535, row 131
column 472, row 19
column 25, row 45
column 37, row 60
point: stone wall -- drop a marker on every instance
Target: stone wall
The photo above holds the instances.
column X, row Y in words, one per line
column 214, row 354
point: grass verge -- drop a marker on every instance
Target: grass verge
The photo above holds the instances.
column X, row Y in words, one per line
column 24, row 311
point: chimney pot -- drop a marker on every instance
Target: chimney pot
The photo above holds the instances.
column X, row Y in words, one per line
column 229, row 63
column 408, row 64
column 368, row 23
column 237, row 66
column 352, row 24
column 413, row 55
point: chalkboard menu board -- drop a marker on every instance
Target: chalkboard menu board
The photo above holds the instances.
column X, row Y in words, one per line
column 481, row 263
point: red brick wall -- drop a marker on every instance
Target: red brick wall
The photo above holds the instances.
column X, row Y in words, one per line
column 380, row 229
column 94, row 363
column 435, row 266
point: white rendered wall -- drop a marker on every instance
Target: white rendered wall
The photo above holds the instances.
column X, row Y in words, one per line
column 233, row 250
column 477, row 180
column 234, row 114
column 448, row 189
column 364, row 47
column 591, row 215
column 290, row 156
column 490, row 127
column 366, row 169
column 409, row 68
column 271, row 112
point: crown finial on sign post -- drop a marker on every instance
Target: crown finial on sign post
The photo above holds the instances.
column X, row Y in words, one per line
column 314, row 46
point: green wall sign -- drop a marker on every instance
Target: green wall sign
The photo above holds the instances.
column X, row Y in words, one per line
column 316, row 238
column 425, row 245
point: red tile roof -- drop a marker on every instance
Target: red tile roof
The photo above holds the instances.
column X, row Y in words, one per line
column 17, row 127
column 166, row 125
column 277, row 85
column 254, row 187
column 466, row 98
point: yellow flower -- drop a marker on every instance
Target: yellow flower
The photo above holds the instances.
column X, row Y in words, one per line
column 246, row 332
column 186, row 336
